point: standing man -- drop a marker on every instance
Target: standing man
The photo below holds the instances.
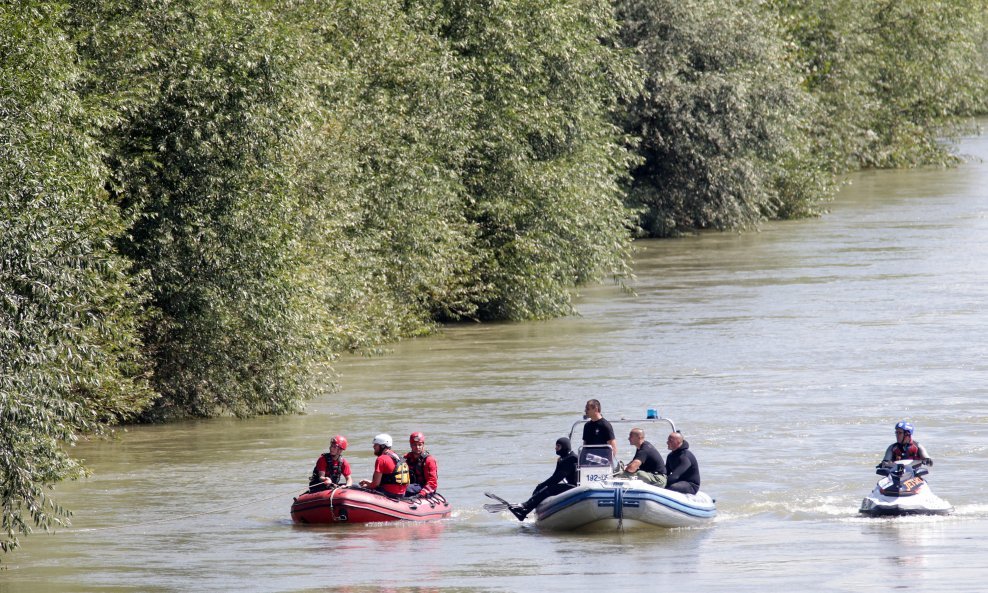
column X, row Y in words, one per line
column 598, row 431
column 561, row 480
column 647, row 465
column 390, row 471
column 684, row 473
column 422, row 467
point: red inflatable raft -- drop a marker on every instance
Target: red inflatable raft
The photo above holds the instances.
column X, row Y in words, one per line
column 359, row 505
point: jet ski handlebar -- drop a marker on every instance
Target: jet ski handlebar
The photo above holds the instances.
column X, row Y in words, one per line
column 920, row 467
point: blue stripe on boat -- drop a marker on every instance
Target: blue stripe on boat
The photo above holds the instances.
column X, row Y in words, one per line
column 619, row 498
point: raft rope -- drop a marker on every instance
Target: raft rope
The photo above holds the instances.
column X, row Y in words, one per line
column 331, row 495
column 215, row 511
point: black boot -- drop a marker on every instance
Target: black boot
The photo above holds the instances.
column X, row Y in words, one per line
column 519, row 511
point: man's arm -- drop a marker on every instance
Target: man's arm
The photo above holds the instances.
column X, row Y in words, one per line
column 676, row 474
column 431, row 475
column 557, row 476
column 375, row 481
column 635, row 463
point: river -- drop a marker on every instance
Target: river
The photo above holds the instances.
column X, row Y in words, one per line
column 785, row 356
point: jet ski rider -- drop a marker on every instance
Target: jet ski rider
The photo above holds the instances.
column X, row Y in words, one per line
column 905, row 447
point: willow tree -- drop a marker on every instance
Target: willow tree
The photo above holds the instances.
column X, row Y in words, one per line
column 69, row 354
column 545, row 160
column 201, row 154
column 891, row 76
column 723, row 121
column 389, row 244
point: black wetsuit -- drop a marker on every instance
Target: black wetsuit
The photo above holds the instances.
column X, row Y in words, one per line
column 561, row 480
column 684, row 473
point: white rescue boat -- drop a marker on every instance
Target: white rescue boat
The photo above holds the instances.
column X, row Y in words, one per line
column 624, row 504
column 603, row 501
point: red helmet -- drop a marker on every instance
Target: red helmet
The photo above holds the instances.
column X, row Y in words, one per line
column 340, row 441
column 416, row 437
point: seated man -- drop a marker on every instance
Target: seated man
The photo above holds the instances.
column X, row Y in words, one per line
column 905, row 447
column 647, row 465
column 684, row 472
column 390, row 471
column 422, row 467
column 331, row 469
column 561, row 480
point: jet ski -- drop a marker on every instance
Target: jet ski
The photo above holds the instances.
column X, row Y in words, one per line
column 903, row 491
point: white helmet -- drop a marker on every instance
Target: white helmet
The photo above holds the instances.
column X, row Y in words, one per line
column 383, row 439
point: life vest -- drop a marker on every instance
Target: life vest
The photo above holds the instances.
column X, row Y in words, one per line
column 417, row 469
column 334, row 470
column 910, row 451
column 400, row 474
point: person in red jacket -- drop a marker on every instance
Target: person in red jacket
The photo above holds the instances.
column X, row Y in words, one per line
column 390, row 471
column 422, row 467
column 331, row 469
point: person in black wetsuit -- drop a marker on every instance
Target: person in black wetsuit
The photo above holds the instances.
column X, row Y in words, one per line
column 561, row 480
column 684, row 472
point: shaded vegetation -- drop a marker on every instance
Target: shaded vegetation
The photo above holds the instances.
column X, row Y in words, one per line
column 889, row 75
column 204, row 200
column 723, row 122
column 70, row 359
column 544, row 159
column 753, row 110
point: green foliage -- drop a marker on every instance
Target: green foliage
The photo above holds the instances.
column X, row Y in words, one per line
column 389, row 244
column 721, row 119
column 69, row 358
column 926, row 71
column 544, row 162
column 890, row 75
column 754, row 109
column 201, row 162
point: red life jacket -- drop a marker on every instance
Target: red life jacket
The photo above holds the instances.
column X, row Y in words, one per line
column 334, row 471
column 900, row 452
column 417, row 468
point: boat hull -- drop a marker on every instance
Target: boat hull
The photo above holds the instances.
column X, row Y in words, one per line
column 358, row 505
column 924, row 502
column 624, row 504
